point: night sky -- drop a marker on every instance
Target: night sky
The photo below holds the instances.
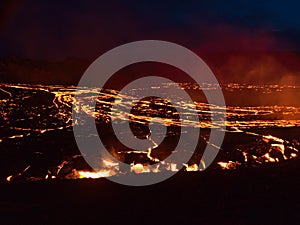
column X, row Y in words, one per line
column 56, row 29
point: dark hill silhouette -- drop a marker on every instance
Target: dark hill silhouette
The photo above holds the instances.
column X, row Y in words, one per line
column 19, row 70
column 238, row 67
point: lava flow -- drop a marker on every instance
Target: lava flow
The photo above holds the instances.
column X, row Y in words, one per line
column 36, row 127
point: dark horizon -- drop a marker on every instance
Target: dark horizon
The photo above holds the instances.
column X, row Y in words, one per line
column 251, row 67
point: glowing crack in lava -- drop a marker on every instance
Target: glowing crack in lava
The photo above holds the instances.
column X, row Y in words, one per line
column 35, row 122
